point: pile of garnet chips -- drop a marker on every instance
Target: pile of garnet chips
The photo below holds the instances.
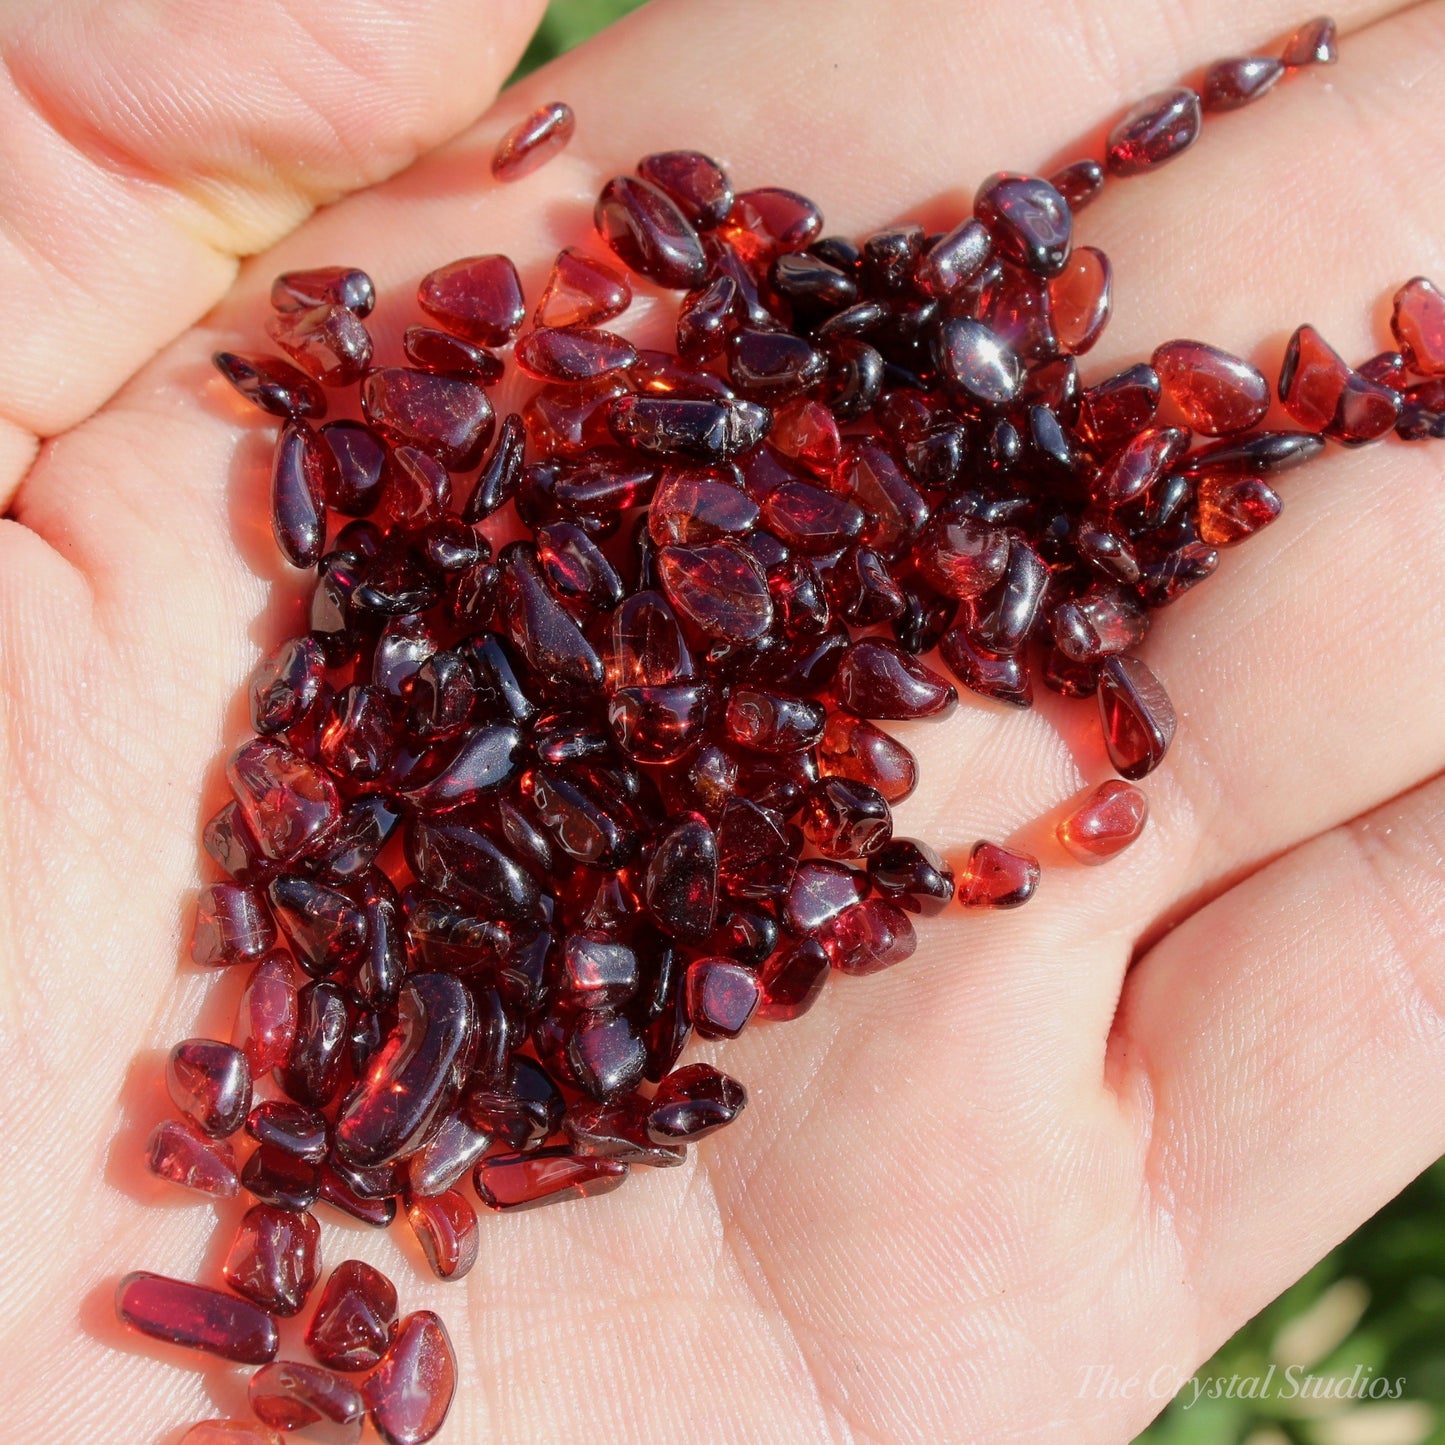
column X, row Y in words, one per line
column 521, row 817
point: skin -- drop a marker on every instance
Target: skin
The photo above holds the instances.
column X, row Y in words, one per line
column 1099, row 1132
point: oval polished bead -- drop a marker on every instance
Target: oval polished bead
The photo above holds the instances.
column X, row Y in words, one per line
column 695, row 182
column 693, row 1102
column 1104, row 822
column 721, row 996
column 1316, row 42
column 852, row 747
column 1156, row 130
column 266, row 1013
column 275, row 1258
column 649, row 233
column 718, row 587
column 573, row 353
column 1081, row 299
column 550, row 1175
column 387, row 1114
column 681, row 884
column 976, row 362
column 1218, row 393
column 706, row 429
column 1230, row 84
column 211, row 1083
column 195, row 1317
column 285, row 799
column 303, row 474
column 533, row 141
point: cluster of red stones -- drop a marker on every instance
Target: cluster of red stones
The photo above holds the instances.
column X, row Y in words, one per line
column 528, row 816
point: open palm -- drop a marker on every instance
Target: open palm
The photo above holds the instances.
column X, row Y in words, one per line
column 1098, row 1132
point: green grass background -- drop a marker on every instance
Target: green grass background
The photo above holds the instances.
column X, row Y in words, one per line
column 1376, row 1303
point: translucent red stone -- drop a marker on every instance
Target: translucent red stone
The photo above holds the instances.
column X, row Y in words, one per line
column 230, row 1432
column 1104, row 822
column 275, row 1259
column 879, row 680
column 852, row 747
column 545, row 1176
column 997, row 877
column 649, row 233
column 1030, row 222
column 266, row 1014
column 355, row 1318
column 446, row 1228
column 692, row 1103
column 1418, row 323
column 977, row 363
column 178, row 1152
column 1323, row 393
column 478, row 297
column 1139, row 720
column 913, row 875
column 324, row 286
column 328, row 342
column 573, row 353
column 321, row 1406
column 195, row 1317
column 1314, row 43
column 233, row 925
column 410, row 1391
column 286, row 800
column 533, row 141
column 1218, row 393
column 273, row 385
column 764, row 223
column 695, row 182
column 1157, row 129
column 1230, row 84
column 1081, row 300
column 1230, row 508
column 211, row 1083
column 448, row 417
column 721, row 997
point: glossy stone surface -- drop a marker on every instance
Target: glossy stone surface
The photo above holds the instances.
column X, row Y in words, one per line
column 1230, row 84
column 388, row 1112
column 230, row 1432
column 273, row 385
column 719, row 588
column 293, row 1128
column 533, row 141
column 852, row 747
column 877, row 679
column 448, row 417
column 327, row 341
column 1081, row 300
column 1104, row 822
column 196, row 1317
column 1316, row 42
column 309, row 1400
column 695, row 182
column 545, row 1176
column 1156, row 130
column 266, row 1014
column 574, row 353
column 355, row 1318
column 312, row 1072
column 1418, row 323
column 232, row 925
column 977, row 363
column 1029, row 221
column 211, row 1083
column 446, row 1228
column 178, row 1152
column 769, row 220
column 721, row 997
column 1139, row 720
column 286, row 800
column 912, row 874
column 692, row 1103
column 275, row 1259
column 997, row 877
column 410, row 1392
column 1230, row 508
column 324, row 286
column 1218, row 393
column 649, row 233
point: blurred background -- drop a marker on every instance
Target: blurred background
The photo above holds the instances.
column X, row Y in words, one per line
column 1375, row 1306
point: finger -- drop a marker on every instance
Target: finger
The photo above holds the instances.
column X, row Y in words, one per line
column 1300, row 673
column 146, row 146
column 1283, row 1050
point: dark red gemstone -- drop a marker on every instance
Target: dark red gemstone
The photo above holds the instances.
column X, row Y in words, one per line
column 488, row 758
column 1263, row 452
column 1139, row 465
column 312, row 1072
column 819, row 891
column 355, row 1318
column 187, row 1314
column 1001, row 676
column 681, row 883
column 879, row 680
column 450, row 1152
column 913, row 875
column 478, row 297
column 868, row 937
column 697, row 184
column 277, row 1177
column 1104, row 822
column 335, row 1191
column 179, row 1153
column 997, row 877
column 1230, row 508
column 962, row 557
column 765, row 222
column 292, row 1128
column 303, row 475
column 446, row 1228
column 324, row 926
column 851, row 747
column 387, row 1114
column 266, row 1014
column 1028, row 219
column 1316, row 42
column 692, row 1103
column 410, row 1391
column 322, row 1406
column 324, row 286
column 286, row 801
column 1229, row 84
column 1322, row 392
column 233, row 925
column 211, row 1083
column 703, row 428
column 327, row 342
column 1218, row 393
column 448, row 417
column 650, row 233
column 706, row 318
column 846, row 819
column 533, row 141
column 272, row 384
column 772, row 365
column 771, row 722
column 977, row 363
column 1418, row 322
column 721, row 997
column 1118, row 408
column 286, row 684
column 568, row 354
column 430, row 349
column 1158, row 128
column 719, row 588
column 792, row 979
column 1079, row 182
column 954, row 259
column 1139, row 719
column 582, row 291
column 545, row 1176
column 275, row 1258
column 618, row 1131
column 1080, row 300
column 1101, row 620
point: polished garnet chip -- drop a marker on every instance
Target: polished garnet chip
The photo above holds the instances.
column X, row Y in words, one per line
column 533, row 141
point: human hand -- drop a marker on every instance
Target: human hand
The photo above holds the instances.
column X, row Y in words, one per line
column 960, row 1183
